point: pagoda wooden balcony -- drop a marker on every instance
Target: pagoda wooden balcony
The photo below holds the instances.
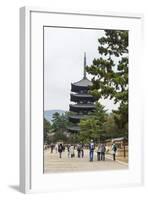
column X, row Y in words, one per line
column 81, row 107
column 82, row 97
column 75, row 88
column 76, row 118
column 73, row 129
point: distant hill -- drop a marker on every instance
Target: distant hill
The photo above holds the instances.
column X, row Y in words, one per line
column 48, row 114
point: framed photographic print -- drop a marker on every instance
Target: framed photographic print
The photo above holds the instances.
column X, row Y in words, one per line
column 80, row 100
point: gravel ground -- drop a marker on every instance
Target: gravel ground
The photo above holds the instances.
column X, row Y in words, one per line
column 52, row 163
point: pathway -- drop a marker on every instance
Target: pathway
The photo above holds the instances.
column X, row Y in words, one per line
column 52, row 163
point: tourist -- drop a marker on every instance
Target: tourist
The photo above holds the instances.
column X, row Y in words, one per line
column 63, row 147
column 91, row 150
column 114, row 150
column 82, row 150
column 52, row 147
column 72, row 153
column 56, row 148
column 99, row 153
column 68, row 150
column 60, row 149
column 102, row 151
column 79, row 150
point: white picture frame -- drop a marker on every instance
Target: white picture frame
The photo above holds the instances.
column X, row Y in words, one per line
column 32, row 178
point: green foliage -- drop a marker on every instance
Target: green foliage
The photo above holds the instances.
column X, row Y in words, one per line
column 92, row 126
column 121, row 118
column 110, row 78
column 110, row 73
column 58, row 137
column 89, row 130
column 115, row 43
column 59, row 122
column 57, row 131
column 47, row 128
column 100, row 126
column 111, row 127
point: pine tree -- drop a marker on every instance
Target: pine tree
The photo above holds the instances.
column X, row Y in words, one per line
column 92, row 127
column 110, row 72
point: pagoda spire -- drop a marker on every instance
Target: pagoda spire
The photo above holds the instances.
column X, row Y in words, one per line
column 84, row 65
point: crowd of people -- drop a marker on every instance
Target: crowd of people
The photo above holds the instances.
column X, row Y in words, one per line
column 100, row 149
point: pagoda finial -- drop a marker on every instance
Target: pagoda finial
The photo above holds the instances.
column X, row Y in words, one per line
column 84, row 65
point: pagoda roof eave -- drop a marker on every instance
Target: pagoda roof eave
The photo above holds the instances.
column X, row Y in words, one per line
column 83, row 83
column 78, row 116
column 83, row 105
column 81, row 95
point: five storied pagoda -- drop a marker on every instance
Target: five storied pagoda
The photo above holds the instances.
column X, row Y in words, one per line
column 83, row 101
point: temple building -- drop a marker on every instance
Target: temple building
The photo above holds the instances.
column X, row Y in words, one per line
column 83, row 102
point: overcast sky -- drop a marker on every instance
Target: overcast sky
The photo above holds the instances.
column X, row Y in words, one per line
column 63, row 63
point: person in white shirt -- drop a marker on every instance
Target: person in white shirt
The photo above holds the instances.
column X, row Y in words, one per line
column 72, row 153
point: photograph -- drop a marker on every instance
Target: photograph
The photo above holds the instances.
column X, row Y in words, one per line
column 85, row 111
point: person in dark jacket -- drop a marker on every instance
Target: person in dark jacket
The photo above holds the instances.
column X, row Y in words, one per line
column 60, row 149
column 79, row 150
column 114, row 150
column 102, row 151
column 91, row 150
column 82, row 150
column 52, row 147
